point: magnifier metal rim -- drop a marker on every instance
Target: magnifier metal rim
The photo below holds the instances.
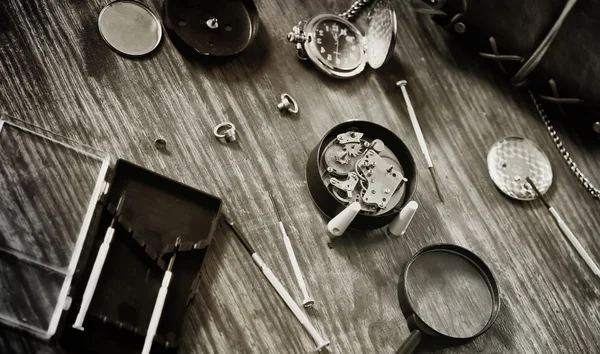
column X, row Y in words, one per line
column 478, row 263
column 150, row 12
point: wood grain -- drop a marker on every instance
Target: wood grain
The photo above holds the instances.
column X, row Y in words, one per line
column 57, row 72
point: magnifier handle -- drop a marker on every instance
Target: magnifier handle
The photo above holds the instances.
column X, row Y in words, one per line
column 411, row 343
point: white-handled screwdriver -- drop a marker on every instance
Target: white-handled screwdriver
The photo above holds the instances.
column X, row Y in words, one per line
column 90, row 288
column 276, row 284
column 307, row 301
column 160, row 302
column 420, row 136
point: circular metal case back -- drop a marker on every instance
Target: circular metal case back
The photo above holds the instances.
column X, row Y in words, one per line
column 129, row 28
column 381, row 33
column 511, row 160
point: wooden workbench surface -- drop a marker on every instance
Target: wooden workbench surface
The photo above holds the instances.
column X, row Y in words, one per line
column 56, row 71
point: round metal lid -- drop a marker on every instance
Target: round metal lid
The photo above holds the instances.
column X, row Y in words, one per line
column 129, row 28
column 511, row 160
column 381, row 33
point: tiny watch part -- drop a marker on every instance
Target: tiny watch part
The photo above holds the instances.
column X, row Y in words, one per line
column 339, row 49
column 225, row 132
column 288, row 103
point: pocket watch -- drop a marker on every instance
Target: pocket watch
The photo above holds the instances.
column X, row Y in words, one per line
column 338, row 48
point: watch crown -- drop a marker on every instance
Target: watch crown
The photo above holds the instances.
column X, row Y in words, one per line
column 297, row 36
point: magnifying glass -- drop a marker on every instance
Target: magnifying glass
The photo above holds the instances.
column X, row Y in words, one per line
column 448, row 296
column 521, row 170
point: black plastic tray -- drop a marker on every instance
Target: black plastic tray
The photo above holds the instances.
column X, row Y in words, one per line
column 156, row 211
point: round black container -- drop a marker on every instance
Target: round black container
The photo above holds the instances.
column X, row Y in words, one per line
column 186, row 24
column 330, row 206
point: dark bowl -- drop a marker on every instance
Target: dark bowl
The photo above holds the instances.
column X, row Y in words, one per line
column 329, row 205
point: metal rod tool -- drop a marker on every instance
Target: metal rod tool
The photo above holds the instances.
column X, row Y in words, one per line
column 90, row 288
column 567, row 231
column 420, row 136
column 160, row 301
column 307, row 301
column 276, row 284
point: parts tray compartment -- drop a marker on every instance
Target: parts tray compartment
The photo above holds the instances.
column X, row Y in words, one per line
column 57, row 205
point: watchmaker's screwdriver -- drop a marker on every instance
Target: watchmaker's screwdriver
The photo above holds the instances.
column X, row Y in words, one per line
column 420, row 137
column 160, row 301
column 97, row 269
column 319, row 340
column 307, row 301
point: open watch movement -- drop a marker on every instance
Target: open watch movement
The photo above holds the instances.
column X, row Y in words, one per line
column 338, row 48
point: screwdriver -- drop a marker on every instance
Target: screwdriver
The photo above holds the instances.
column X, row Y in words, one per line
column 420, row 137
column 160, row 301
column 97, row 269
column 319, row 340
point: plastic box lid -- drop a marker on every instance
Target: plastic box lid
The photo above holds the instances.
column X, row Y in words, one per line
column 49, row 187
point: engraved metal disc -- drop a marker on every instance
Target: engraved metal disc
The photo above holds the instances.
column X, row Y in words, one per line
column 381, row 33
column 511, row 160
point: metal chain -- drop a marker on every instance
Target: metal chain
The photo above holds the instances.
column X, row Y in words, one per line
column 595, row 192
column 355, row 9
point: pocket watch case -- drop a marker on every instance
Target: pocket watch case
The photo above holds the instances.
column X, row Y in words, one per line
column 349, row 52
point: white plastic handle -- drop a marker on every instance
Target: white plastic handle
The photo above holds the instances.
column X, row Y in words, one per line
column 416, row 126
column 307, row 300
column 400, row 224
column 338, row 225
column 90, row 288
column 156, row 313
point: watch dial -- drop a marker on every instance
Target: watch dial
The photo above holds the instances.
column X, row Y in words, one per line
column 338, row 44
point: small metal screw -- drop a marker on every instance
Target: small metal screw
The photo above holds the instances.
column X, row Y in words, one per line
column 373, row 192
column 386, row 191
column 381, row 205
column 373, row 181
column 390, row 168
column 288, row 103
column 212, row 23
column 160, row 144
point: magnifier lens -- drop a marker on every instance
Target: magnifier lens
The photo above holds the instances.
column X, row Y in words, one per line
column 449, row 294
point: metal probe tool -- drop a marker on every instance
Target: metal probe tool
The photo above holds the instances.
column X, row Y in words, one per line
column 307, row 301
column 160, row 301
column 420, row 137
column 90, row 288
column 276, row 284
column 566, row 230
